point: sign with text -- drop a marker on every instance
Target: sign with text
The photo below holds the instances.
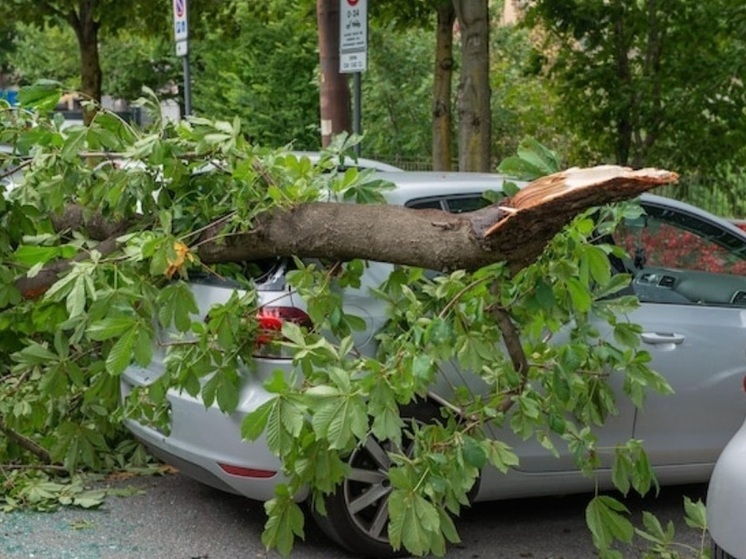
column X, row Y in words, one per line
column 181, row 29
column 353, row 36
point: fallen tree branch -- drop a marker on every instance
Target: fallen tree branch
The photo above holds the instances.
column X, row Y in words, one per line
column 26, row 443
column 514, row 231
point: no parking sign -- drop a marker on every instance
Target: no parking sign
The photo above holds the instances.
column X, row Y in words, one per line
column 353, row 36
column 181, row 29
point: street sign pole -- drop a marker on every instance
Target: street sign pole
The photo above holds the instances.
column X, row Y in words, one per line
column 353, row 52
column 187, row 86
column 357, row 105
column 181, row 37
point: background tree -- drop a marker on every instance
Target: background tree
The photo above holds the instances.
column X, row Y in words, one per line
column 523, row 101
column 397, row 91
column 260, row 64
column 44, row 53
column 633, row 88
column 474, row 88
column 442, row 116
column 336, row 115
column 89, row 18
column 129, row 61
column 438, row 16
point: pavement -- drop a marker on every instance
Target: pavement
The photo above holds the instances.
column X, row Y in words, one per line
column 173, row 517
column 170, row 517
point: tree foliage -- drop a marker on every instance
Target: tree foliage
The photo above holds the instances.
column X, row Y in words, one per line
column 121, row 268
column 635, row 90
column 262, row 67
column 87, row 19
column 523, row 102
column 129, row 61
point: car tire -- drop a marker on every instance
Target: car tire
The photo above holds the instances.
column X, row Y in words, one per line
column 356, row 513
column 719, row 553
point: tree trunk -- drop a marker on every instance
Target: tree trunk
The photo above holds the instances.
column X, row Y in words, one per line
column 86, row 29
column 625, row 112
column 474, row 88
column 334, row 90
column 442, row 121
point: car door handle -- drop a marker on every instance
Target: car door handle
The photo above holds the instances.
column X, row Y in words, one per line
column 657, row 338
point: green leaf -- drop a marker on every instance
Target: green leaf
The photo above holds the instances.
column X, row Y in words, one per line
column 544, row 295
column 222, row 387
column 227, row 397
column 410, row 517
column 143, row 350
column 89, row 499
column 627, row 335
column 501, row 455
column 339, row 419
column 254, row 423
column 121, row 353
column 696, row 514
column 108, row 328
column 284, row 523
column 29, row 255
column 581, row 298
column 475, row 453
column 76, row 299
column 35, row 353
column 621, row 472
column 284, row 425
column 606, row 523
column 532, row 162
column 43, row 95
column 598, row 263
column 655, row 532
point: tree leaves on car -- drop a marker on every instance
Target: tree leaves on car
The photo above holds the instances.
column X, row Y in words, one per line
column 606, row 522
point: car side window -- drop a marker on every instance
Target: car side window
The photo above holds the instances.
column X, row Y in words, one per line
column 679, row 258
column 426, row 204
column 453, row 204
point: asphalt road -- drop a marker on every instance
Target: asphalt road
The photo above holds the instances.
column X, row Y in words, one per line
column 176, row 518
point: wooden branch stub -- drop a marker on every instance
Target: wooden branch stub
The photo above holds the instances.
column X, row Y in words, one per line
column 572, row 190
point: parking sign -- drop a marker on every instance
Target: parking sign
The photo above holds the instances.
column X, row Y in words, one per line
column 353, row 35
column 181, row 29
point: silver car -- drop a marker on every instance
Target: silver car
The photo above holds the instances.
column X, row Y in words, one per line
column 690, row 274
column 726, row 500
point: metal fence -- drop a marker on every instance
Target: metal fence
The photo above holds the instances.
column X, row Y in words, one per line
column 726, row 200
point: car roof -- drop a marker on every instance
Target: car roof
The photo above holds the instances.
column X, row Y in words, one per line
column 350, row 161
column 411, row 185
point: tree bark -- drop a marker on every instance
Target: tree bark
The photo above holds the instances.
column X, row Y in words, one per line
column 86, row 29
column 442, row 126
column 474, row 116
column 515, row 231
column 334, row 90
column 625, row 113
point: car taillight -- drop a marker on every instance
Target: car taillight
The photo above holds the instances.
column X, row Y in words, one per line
column 240, row 471
column 271, row 319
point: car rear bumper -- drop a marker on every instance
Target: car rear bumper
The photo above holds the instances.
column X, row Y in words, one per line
column 204, row 441
column 726, row 497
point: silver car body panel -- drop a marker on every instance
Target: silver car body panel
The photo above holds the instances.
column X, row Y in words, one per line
column 699, row 348
column 726, row 497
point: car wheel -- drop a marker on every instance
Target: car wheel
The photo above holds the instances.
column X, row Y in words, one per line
column 357, row 512
column 719, row 553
